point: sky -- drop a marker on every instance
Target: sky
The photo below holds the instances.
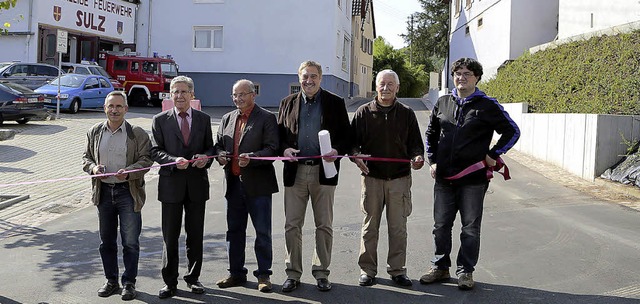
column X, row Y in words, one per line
column 391, row 19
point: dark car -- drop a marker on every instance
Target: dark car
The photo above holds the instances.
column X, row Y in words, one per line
column 30, row 75
column 90, row 69
column 20, row 103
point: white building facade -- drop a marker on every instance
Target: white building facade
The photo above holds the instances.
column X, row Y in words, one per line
column 577, row 17
column 495, row 31
column 92, row 26
column 217, row 42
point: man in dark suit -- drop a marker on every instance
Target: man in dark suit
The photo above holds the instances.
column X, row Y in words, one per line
column 182, row 134
column 248, row 131
column 301, row 116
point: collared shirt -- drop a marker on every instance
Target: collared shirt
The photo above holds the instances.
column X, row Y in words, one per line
column 241, row 122
column 112, row 152
column 309, row 125
column 189, row 117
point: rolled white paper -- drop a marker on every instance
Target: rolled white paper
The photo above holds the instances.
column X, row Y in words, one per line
column 325, row 147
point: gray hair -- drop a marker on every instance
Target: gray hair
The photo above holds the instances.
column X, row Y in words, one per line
column 310, row 63
column 182, row 79
column 385, row 72
column 252, row 86
column 121, row 94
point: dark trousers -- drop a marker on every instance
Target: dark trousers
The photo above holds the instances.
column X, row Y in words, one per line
column 194, row 229
column 116, row 205
column 239, row 207
column 448, row 200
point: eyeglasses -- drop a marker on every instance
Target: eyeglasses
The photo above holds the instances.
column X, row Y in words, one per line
column 180, row 92
column 240, row 95
column 465, row 75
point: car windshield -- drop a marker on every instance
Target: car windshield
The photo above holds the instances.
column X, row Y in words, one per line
column 4, row 64
column 169, row 69
column 16, row 87
column 73, row 81
column 98, row 70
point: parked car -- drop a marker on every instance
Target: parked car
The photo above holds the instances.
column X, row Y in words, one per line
column 77, row 91
column 90, row 69
column 30, row 75
column 20, row 103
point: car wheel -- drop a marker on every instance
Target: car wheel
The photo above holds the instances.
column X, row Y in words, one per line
column 138, row 98
column 156, row 102
column 23, row 120
column 75, row 106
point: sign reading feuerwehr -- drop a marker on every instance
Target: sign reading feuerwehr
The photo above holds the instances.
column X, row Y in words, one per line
column 107, row 18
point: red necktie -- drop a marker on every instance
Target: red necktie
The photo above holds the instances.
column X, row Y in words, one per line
column 184, row 127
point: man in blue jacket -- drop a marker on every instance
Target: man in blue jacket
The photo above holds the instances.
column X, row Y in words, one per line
column 459, row 136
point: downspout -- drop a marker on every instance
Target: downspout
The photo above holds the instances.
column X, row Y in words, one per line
column 149, row 30
column 447, row 62
column 29, row 33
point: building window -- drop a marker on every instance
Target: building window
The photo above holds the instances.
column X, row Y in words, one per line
column 294, row 88
column 364, row 70
column 466, row 30
column 480, row 21
column 257, row 85
column 468, row 4
column 340, row 4
column 345, row 53
column 457, row 8
column 207, row 38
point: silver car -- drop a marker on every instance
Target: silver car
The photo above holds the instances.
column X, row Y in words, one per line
column 30, row 75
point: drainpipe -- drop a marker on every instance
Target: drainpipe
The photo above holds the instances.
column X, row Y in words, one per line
column 149, row 30
column 29, row 33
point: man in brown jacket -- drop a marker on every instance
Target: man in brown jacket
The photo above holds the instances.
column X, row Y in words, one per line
column 115, row 146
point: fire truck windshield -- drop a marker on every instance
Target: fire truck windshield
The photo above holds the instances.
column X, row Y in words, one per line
column 169, row 69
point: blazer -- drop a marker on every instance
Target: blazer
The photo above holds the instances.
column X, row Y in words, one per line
column 334, row 118
column 168, row 145
column 260, row 138
column 138, row 157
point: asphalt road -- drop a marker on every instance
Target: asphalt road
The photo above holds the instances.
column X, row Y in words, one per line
column 542, row 242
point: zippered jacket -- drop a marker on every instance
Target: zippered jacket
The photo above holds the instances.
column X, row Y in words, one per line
column 460, row 134
column 389, row 132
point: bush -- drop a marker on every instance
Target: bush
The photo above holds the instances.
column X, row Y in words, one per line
column 597, row 76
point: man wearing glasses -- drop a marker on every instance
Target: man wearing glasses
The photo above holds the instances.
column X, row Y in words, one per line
column 182, row 135
column 248, row 131
column 459, row 136
column 115, row 146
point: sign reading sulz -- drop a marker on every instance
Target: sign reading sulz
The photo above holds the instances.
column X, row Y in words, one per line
column 90, row 21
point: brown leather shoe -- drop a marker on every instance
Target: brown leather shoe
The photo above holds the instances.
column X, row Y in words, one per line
column 232, row 281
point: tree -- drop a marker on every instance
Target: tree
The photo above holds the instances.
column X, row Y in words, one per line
column 5, row 5
column 428, row 34
column 413, row 79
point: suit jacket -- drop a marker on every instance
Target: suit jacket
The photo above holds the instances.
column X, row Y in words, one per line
column 334, row 119
column 168, row 145
column 138, row 156
column 260, row 138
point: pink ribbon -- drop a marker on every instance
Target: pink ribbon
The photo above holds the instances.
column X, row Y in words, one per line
column 481, row 165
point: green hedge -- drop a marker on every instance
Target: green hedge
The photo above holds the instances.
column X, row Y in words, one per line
column 598, row 76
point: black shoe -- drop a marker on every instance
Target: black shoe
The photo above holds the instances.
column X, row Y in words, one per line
column 128, row 292
column 108, row 289
column 290, row 285
column 402, row 280
column 196, row 287
column 366, row 280
column 324, row 285
column 167, row 292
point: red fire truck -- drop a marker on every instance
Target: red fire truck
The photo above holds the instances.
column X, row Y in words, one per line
column 145, row 79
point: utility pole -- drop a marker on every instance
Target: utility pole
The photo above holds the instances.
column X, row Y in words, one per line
column 411, row 43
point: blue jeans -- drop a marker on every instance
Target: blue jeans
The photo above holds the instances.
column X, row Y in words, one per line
column 239, row 207
column 116, row 204
column 448, row 200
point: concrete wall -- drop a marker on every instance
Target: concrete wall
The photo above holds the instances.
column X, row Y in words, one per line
column 582, row 144
column 583, row 16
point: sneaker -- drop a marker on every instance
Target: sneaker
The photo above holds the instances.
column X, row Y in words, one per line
column 435, row 275
column 108, row 289
column 264, row 284
column 465, row 281
column 232, row 281
column 128, row 292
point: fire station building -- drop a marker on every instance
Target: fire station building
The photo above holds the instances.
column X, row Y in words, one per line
column 92, row 26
